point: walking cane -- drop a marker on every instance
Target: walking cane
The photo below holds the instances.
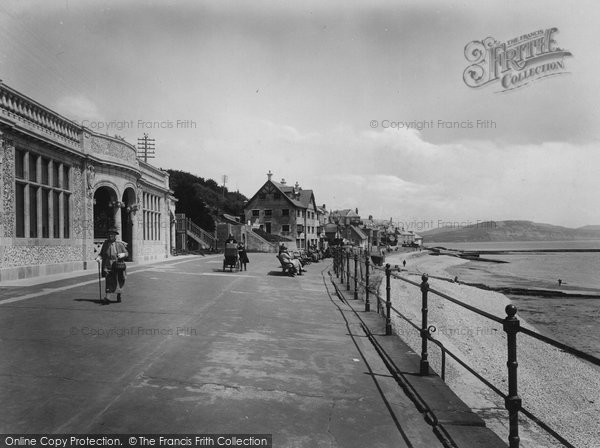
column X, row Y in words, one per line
column 99, row 282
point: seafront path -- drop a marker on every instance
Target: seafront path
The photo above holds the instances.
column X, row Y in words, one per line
column 194, row 350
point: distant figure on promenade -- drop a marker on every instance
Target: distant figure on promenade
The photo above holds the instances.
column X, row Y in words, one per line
column 313, row 253
column 559, row 282
column 112, row 256
column 456, row 279
column 404, row 263
column 243, row 256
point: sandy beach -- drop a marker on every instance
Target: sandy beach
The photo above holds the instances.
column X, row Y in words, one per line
column 561, row 390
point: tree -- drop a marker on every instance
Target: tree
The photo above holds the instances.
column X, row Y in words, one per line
column 203, row 200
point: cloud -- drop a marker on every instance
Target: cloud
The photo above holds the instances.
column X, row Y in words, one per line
column 78, row 108
column 397, row 173
column 391, row 173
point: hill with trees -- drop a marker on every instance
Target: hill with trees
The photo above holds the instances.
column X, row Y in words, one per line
column 203, row 200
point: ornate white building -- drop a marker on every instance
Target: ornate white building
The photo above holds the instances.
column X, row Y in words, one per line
column 64, row 185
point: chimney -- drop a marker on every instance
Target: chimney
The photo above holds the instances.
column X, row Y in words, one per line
column 269, row 174
column 282, row 181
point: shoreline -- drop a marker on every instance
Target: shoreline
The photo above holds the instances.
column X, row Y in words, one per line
column 558, row 388
column 573, row 291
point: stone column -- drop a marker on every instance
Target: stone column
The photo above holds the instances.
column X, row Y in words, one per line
column 118, row 223
column 61, row 204
column 87, row 224
column 4, row 215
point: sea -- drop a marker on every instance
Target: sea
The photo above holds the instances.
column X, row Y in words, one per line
column 570, row 320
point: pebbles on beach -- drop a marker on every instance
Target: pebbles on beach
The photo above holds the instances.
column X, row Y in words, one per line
column 558, row 388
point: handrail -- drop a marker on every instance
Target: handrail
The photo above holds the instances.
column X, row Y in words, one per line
column 184, row 224
column 452, row 299
column 194, row 228
column 561, row 346
column 592, row 359
column 511, row 325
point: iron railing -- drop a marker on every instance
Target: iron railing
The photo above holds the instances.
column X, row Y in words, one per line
column 184, row 224
column 511, row 325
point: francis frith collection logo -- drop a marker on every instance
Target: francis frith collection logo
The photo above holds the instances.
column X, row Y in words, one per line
column 516, row 62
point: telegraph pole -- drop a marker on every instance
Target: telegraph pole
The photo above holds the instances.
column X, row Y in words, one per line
column 224, row 182
column 146, row 148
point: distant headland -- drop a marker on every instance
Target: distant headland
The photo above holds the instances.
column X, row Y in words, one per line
column 510, row 231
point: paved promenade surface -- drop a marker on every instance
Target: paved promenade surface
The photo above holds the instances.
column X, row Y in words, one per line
column 194, row 350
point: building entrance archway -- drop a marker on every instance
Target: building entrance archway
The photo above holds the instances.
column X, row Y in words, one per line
column 105, row 204
column 128, row 211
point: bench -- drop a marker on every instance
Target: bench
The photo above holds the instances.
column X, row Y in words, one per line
column 287, row 267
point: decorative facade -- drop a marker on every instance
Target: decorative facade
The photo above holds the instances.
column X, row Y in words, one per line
column 289, row 212
column 63, row 186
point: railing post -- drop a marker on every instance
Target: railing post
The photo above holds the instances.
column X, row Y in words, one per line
column 348, row 270
column 355, row 276
column 424, row 370
column 388, row 301
column 335, row 262
column 367, row 304
column 342, row 266
column 378, row 304
column 512, row 401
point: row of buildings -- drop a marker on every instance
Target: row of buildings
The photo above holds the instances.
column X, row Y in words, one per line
column 291, row 214
column 64, row 185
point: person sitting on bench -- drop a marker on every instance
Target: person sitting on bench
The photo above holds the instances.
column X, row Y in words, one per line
column 286, row 259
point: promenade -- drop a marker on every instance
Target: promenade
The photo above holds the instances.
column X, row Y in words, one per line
column 192, row 349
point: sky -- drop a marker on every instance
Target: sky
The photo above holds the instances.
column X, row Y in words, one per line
column 365, row 103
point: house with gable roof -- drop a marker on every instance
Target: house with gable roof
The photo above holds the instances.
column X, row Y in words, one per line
column 346, row 217
column 286, row 211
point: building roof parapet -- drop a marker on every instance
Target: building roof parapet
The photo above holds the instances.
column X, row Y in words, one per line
column 154, row 169
column 157, row 186
column 27, row 116
column 113, row 162
column 154, row 173
column 33, row 118
column 104, row 146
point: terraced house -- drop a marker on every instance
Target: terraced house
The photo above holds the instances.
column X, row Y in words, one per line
column 287, row 211
column 64, row 185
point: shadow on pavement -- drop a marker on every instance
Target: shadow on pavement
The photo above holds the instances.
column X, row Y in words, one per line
column 278, row 274
column 96, row 301
column 227, row 269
